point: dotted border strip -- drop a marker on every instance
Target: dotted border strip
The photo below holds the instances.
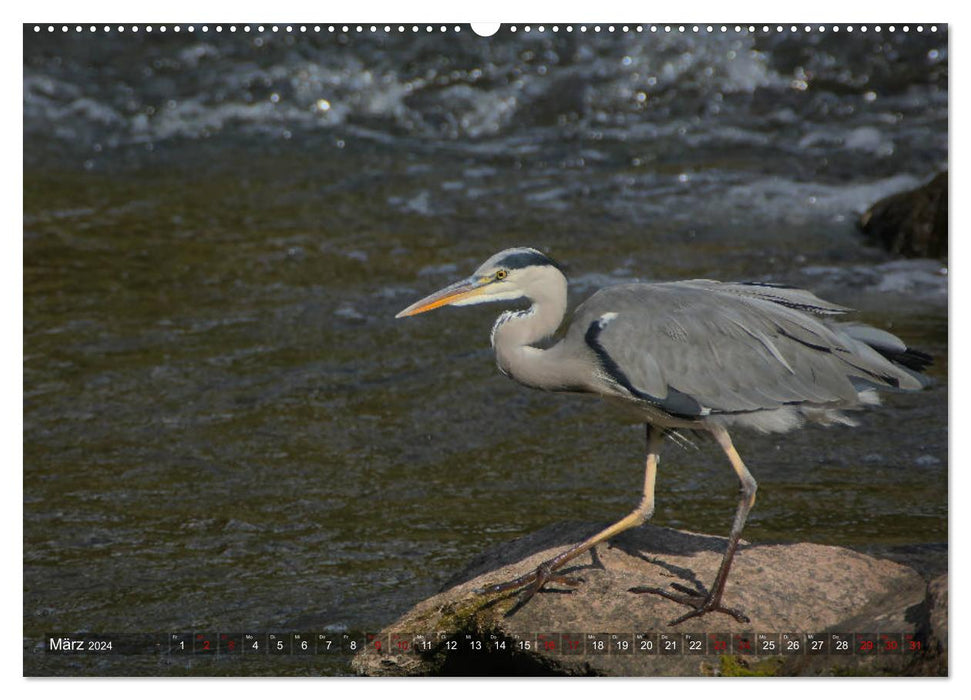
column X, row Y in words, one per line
column 429, row 28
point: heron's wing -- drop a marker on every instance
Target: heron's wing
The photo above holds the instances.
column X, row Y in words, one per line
column 693, row 350
column 790, row 297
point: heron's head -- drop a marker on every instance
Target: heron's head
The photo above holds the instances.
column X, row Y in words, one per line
column 512, row 274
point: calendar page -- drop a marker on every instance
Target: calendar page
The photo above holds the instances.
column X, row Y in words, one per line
column 525, row 349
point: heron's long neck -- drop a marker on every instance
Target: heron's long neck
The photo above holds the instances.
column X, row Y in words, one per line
column 516, row 331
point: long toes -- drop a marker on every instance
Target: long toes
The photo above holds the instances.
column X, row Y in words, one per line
column 525, row 596
column 684, row 600
column 540, row 579
column 530, row 590
column 737, row 614
column 533, row 582
column 707, row 607
column 508, row 585
column 687, row 616
column 689, row 591
column 699, row 603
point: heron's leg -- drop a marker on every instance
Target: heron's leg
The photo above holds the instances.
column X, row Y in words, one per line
column 700, row 603
column 544, row 573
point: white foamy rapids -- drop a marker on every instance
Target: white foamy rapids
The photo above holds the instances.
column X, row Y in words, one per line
column 266, row 83
column 796, row 202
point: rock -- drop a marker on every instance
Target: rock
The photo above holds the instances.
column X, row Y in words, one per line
column 934, row 661
column 912, row 223
column 937, row 604
column 783, row 588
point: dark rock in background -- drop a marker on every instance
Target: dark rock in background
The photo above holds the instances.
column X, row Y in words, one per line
column 912, row 223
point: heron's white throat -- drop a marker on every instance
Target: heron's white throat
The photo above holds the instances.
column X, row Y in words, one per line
column 507, row 316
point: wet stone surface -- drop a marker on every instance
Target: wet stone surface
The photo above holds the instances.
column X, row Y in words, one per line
column 793, row 593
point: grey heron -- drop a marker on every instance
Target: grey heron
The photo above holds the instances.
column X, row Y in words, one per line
column 696, row 355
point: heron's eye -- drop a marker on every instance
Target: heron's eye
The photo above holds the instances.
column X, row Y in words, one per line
column 501, row 275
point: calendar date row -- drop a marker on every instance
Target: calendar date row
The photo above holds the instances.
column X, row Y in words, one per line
column 579, row 643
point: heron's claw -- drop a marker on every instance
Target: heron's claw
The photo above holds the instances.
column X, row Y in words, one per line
column 531, row 584
column 689, row 591
column 699, row 602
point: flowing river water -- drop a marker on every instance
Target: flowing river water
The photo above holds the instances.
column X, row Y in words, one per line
column 226, row 429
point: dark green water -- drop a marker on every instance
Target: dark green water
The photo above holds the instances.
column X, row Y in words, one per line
column 226, row 429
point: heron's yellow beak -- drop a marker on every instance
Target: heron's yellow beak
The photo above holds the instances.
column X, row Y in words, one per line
column 453, row 293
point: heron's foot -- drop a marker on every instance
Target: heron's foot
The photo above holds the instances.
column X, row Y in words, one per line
column 531, row 584
column 701, row 603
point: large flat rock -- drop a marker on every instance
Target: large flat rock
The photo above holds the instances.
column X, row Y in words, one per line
column 783, row 588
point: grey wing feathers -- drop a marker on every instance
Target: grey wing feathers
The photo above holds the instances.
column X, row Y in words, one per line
column 791, row 297
column 888, row 345
column 728, row 351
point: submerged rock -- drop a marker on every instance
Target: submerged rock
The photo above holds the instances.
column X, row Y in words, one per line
column 603, row 629
column 912, row 223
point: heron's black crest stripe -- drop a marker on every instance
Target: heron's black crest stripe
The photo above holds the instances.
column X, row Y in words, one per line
column 676, row 403
column 529, row 258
